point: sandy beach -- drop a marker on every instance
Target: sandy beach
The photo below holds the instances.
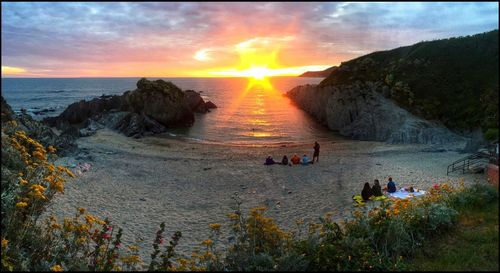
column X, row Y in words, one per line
column 138, row 183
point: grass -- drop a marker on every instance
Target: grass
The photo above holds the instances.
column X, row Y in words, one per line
column 473, row 246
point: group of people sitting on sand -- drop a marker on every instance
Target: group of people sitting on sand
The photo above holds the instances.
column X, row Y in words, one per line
column 295, row 160
column 376, row 190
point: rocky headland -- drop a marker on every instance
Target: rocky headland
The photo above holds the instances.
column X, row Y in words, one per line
column 427, row 93
column 359, row 112
column 319, row 74
column 150, row 109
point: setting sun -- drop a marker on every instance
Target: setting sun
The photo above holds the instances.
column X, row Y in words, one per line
column 257, row 73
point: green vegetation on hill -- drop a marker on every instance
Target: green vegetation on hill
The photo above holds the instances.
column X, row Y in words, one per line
column 319, row 74
column 452, row 80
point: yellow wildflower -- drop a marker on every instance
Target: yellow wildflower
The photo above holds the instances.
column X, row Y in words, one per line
column 38, row 187
column 90, row 219
column 68, row 226
column 5, row 242
column 23, row 182
column 81, row 240
column 49, row 178
column 51, row 167
column 20, row 174
column 81, row 210
column 83, row 227
column 21, row 204
column 51, row 149
column 215, row 226
column 207, row 242
column 131, row 259
column 59, row 187
column 133, row 248
column 38, row 154
column 233, row 216
column 69, row 172
column 208, row 255
column 56, row 268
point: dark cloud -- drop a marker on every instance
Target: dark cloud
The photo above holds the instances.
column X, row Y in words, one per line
column 95, row 34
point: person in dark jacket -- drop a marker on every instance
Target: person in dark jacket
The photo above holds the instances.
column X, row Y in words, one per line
column 366, row 193
column 284, row 161
column 316, row 151
column 376, row 189
column 269, row 161
column 391, row 186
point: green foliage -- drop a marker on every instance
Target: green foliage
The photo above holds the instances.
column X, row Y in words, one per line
column 491, row 134
column 477, row 196
column 453, row 80
column 471, row 246
column 441, row 217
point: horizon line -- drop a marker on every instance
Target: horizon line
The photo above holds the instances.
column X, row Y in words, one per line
column 98, row 77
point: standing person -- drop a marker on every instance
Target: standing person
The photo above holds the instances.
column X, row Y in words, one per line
column 316, row 151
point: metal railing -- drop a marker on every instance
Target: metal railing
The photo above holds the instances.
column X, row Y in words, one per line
column 469, row 163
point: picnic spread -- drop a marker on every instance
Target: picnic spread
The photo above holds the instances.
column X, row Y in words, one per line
column 403, row 193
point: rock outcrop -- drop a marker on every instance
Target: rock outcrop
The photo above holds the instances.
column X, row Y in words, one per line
column 64, row 142
column 197, row 103
column 151, row 108
column 358, row 111
column 7, row 113
column 79, row 112
column 162, row 101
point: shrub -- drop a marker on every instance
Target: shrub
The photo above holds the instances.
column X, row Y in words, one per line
column 377, row 239
column 476, row 196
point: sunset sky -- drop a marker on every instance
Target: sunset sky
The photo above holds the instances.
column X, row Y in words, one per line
column 218, row 39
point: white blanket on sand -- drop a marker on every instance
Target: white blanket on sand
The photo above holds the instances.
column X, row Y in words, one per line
column 401, row 193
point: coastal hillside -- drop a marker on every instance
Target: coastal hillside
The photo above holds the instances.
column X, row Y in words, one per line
column 319, row 74
column 404, row 94
column 451, row 80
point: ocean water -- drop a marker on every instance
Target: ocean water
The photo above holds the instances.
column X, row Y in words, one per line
column 250, row 112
